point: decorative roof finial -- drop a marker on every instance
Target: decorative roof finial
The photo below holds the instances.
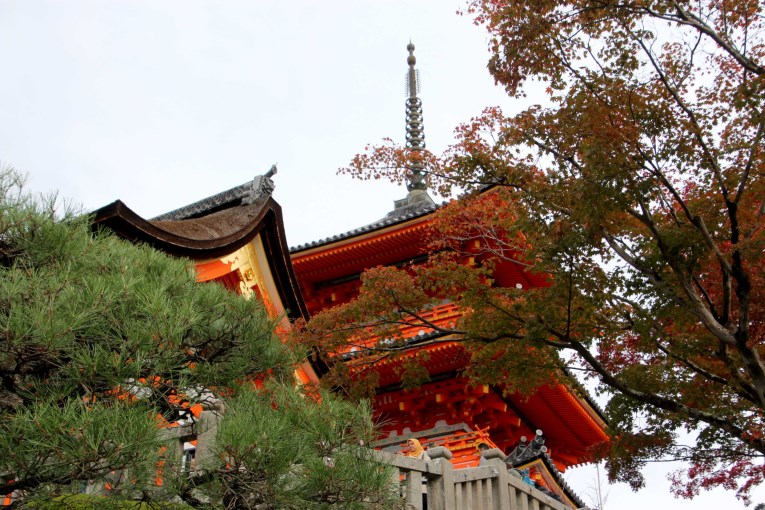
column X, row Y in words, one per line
column 417, row 201
column 415, row 134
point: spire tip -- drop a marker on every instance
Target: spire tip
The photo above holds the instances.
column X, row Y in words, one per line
column 415, row 136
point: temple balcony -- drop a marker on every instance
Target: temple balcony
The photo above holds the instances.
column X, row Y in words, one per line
column 437, row 485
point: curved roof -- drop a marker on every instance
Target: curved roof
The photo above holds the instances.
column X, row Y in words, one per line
column 377, row 225
column 213, row 233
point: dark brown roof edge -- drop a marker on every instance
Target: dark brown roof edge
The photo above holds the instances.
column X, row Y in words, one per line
column 124, row 222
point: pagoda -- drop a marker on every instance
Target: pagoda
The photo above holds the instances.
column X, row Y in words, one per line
column 447, row 410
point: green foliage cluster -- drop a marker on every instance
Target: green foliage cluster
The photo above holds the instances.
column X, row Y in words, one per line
column 284, row 449
column 103, row 341
column 636, row 184
column 87, row 321
column 90, row 502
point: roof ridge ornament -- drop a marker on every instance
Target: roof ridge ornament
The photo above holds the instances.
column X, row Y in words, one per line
column 260, row 186
column 248, row 193
column 415, row 133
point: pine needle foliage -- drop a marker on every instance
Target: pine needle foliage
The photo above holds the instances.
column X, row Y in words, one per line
column 101, row 344
column 280, row 448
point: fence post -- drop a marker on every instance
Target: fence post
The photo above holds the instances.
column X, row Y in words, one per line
column 440, row 479
column 500, row 493
column 413, row 489
column 207, row 428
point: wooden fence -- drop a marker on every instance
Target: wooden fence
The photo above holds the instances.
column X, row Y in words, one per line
column 488, row 487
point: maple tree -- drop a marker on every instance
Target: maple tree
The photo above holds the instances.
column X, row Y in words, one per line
column 637, row 187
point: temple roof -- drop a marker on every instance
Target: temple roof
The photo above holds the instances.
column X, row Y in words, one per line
column 545, row 460
column 215, row 227
column 250, row 192
column 423, row 208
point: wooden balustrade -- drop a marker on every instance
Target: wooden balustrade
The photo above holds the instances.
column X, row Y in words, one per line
column 488, row 487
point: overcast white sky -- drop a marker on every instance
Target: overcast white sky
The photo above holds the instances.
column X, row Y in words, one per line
column 162, row 103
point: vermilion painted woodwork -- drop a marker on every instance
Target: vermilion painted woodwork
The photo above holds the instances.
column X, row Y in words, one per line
column 329, row 274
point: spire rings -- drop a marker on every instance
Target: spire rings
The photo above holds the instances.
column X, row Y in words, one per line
column 415, row 132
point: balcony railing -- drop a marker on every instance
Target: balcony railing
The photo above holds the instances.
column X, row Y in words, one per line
column 488, row 487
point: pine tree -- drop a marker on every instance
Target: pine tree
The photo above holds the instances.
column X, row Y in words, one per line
column 102, row 342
